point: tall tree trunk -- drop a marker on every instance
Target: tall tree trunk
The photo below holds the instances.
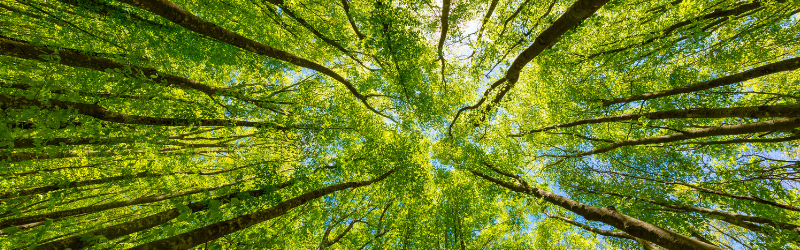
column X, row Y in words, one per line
column 181, row 17
column 215, row 231
column 148, row 222
column 75, row 184
column 111, row 205
column 772, row 68
column 630, row 225
column 101, row 113
column 757, row 127
column 744, row 112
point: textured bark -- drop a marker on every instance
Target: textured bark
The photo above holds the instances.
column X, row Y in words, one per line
column 732, row 218
column 32, row 143
column 101, row 113
column 70, row 58
column 350, row 19
column 215, row 231
column 445, row 26
column 630, row 225
column 179, row 16
column 106, row 206
column 772, row 68
column 103, row 8
column 748, row 112
column 28, row 156
column 571, row 18
column 710, row 191
column 592, row 229
column 75, row 184
column 488, row 15
column 146, row 223
column 442, row 38
column 314, row 31
column 716, row 14
column 768, row 140
column 758, row 127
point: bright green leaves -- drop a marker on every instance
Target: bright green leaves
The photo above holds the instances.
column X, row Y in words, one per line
column 214, row 212
column 10, row 230
column 184, row 211
column 388, row 51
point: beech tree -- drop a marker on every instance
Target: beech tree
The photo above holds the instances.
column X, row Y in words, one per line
column 373, row 124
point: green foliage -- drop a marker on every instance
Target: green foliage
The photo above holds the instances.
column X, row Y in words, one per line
column 117, row 109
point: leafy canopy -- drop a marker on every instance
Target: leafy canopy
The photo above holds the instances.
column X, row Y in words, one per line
column 373, row 124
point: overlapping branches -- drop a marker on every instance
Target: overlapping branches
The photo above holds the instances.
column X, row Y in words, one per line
column 608, row 215
column 570, row 19
column 183, row 18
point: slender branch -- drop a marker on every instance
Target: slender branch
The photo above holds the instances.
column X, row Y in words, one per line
column 217, row 230
column 785, row 65
column 710, row 191
column 666, row 32
column 570, row 19
column 346, row 7
column 630, row 225
column 486, row 17
column 592, row 229
column 151, row 221
column 314, row 31
column 181, row 17
column 101, row 113
column 765, row 126
column 75, row 184
column 748, row 112
column 733, row 218
column 74, row 59
column 19, row 221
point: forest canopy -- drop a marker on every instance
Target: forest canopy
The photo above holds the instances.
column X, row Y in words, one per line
column 399, row 124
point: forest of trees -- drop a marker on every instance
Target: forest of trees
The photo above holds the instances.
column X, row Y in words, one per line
column 399, row 124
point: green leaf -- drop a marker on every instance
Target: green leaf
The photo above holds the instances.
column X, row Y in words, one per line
column 10, row 230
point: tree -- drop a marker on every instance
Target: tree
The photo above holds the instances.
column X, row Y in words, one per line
column 247, row 124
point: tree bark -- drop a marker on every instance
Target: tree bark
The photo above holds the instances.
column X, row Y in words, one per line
column 74, row 59
column 765, row 126
column 732, row 218
column 148, row 222
column 570, row 19
column 346, row 7
column 748, row 112
column 630, row 225
column 102, row 207
column 772, row 68
column 215, row 231
column 181, row 17
column 75, row 184
column 445, row 26
column 101, row 113
column 623, row 235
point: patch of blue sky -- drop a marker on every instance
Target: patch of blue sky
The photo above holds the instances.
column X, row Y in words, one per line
column 436, row 164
